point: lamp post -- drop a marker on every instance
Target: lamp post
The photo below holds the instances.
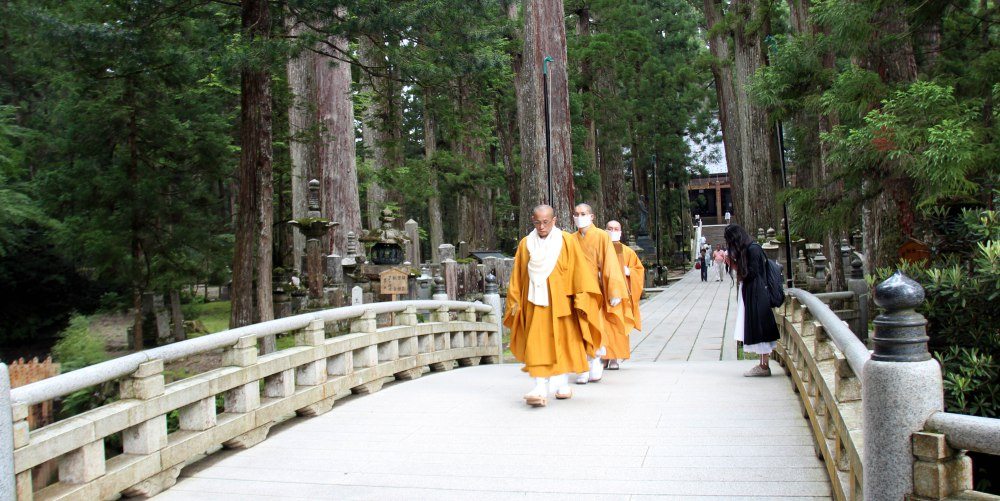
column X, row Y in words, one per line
column 548, row 133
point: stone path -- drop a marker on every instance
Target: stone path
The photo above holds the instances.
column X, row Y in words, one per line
column 690, row 320
column 660, row 428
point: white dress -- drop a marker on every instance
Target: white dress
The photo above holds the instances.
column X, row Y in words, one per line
column 763, row 348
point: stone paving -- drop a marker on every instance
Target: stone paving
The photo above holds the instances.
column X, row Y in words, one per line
column 688, row 321
column 670, row 425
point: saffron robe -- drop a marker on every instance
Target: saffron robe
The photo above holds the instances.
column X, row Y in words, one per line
column 635, row 281
column 604, row 265
column 555, row 339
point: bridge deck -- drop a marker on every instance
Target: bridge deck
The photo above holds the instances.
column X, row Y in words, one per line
column 658, row 428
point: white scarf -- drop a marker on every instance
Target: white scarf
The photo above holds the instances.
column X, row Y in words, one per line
column 544, row 253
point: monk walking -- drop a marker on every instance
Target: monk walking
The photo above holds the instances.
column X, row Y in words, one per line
column 552, row 308
column 635, row 278
column 596, row 245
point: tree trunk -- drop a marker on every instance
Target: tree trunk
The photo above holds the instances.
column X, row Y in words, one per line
column 335, row 151
column 372, row 126
column 300, row 120
column 255, row 199
column 590, row 148
column 888, row 211
column 544, row 35
column 758, row 143
column 434, row 202
column 177, row 315
column 475, row 205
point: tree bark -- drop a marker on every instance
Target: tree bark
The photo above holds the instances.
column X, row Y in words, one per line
column 177, row 315
column 372, row 126
column 300, row 119
column 584, row 89
column 335, row 148
column 888, row 211
column 475, row 205
column 758, row 143
column 434, row 202
column 544, row 35
column 255, row 198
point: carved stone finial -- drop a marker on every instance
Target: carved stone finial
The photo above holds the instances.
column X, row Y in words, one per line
column 900, row 332
column 439, row 287
column 857, row 268
column 491, row 284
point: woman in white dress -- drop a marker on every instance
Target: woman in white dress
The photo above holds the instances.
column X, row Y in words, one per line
column 755, row 325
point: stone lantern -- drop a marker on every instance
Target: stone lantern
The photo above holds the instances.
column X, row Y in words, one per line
column 387, row 248
column 314, row 226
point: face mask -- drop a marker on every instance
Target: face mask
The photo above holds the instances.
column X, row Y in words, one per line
column 616, row 236
column 583, row 221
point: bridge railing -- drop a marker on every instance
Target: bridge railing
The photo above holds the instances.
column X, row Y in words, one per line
column 877, row 416
column 823, row 358
column 233, row 405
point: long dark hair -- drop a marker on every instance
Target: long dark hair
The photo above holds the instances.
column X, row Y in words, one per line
column 737, row 239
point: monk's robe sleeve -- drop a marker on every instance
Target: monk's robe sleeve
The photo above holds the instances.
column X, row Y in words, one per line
column 516, row 295
column 636, row 282
column 613, row 276
column 586, row 293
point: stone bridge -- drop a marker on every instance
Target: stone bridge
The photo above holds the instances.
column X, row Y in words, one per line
column 366, row 405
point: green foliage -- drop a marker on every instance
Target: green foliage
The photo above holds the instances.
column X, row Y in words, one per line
column 962, row 288
column 78, row 347
column 971, row 381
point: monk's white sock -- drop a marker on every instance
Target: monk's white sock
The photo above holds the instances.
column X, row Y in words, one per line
column 559, row 384
column 596, row 368
column 541, row 387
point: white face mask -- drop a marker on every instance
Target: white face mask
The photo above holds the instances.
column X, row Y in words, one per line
column 616, row 236
column 583, row 221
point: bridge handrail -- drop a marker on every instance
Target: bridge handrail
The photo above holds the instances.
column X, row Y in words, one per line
column 234, row 403
column 847, row 342
column 971, row 433
column 824, row 361
column 64, row 384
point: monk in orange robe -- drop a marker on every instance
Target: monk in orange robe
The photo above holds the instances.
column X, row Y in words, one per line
column 635, row 278
column 596, row 245
column 552, row 307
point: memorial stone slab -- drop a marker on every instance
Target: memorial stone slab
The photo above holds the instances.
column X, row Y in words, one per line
column 357, row 296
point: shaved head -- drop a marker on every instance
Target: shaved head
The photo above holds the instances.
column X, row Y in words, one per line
column 543, row 217
column 543, row 211
column 613, row 226
column 582, row 210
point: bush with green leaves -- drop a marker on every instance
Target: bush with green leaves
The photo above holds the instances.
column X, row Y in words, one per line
column 962, row 286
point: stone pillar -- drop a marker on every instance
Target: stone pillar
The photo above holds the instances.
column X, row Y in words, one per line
column 449, row 270
column 8, row 485
column 145, row 383
column 718, row 200
column 939, row 471
column 412, row 231
column 857, row 284
column 492, row 298
column 901, row 387
column 440, row 291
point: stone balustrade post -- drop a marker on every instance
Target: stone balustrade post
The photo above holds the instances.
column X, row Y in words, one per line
column 245, row 397
column 495, row 316
column 440, row 291
column 857, row 284
column 901, row 387
column 151, row 435
column 8, row 484
column 21, row 437
column 939, row 471
column 441, row 314
column 311, row 373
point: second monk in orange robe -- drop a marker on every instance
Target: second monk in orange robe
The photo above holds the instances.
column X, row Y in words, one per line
column 596, row 245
